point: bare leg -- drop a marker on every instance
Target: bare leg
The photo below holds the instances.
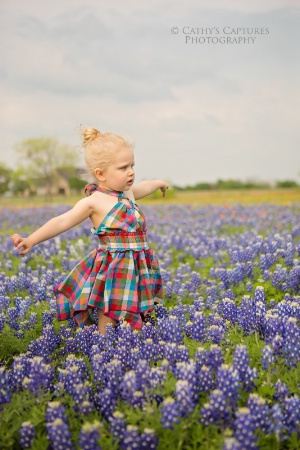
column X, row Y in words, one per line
column 103, row 321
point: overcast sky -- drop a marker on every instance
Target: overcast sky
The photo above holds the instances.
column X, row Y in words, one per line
column 201, row 93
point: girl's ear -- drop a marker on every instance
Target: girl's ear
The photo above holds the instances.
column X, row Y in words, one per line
column 99, row 174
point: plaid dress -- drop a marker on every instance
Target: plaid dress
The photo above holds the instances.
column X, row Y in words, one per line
column 121, row 276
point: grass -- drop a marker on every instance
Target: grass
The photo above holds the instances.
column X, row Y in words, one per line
column 226, row 197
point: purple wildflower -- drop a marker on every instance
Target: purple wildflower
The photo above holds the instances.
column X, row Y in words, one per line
column 148, row 440
column 131, row 439
column 228, row 382
column 244, row 427
column 268, row 357
column 89, row 436
column 59, row 434
column 216, row 411
column 27, row 434
column 117, row 425
column 169, row 413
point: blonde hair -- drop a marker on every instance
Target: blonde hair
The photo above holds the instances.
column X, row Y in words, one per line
column 99, row 149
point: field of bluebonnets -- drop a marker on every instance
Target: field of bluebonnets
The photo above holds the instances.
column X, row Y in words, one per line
column 217, row 366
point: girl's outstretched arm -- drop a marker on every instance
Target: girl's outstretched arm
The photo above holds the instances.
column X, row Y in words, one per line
column 81, row 211
column 146, row 187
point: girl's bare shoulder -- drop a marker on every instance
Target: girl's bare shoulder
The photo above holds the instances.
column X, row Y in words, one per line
column 99, row 201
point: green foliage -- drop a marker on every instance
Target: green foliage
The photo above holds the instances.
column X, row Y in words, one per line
column 5, row 177
column 76, row 183
column 287, row 184
column 225, row 185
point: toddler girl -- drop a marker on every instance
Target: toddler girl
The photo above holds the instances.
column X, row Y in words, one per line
column 121, row 278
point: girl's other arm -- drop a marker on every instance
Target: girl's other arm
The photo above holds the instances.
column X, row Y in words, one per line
column 146, row 187
column 81, row 211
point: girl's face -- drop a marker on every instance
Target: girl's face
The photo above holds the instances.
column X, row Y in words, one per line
column 119, row 175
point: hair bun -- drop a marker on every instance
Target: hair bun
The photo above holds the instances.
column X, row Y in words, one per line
column 89, row 135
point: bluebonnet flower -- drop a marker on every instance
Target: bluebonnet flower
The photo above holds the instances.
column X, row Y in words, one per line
column 83, row 339
column 216, row 411
column 259, row 294
column 216, row 333
column 184, row 395
column 259, row 412
column 5, row 388
column 128, row 386
column 19, row 369
column 27, row 433
column 114, row 374
column 40, row 376
column 273, row 325
column 199, row 327
column 170, row 351
column 195, row 281
column 131, row 439
column 32, row 320
column 70, row 345
column 105, row 402
column 244, row 427
column 59, row 434
column 268, row 357
column 228, row 382
column 157, row 376
column 148, row 440
column 134, row 358
column 188, row 328
column 12, row 318
column 291, row 414
column 289, row 254
column 161, row 312
column 182, row 353
column 205, row 379
column 46, row 318
column 281, row 391
column 117, row 425
column 170, row 330
column 149, row 350
column 276, row 422
column 55, row 411
column 291, row 343
column 149, row 331
column 214, row 357
column 89, row 436
column 201, row 357
column 246, row 316
column 169, row 413
column 81, row 395
column 241, row 359
column 169, row 289
column 249, row 287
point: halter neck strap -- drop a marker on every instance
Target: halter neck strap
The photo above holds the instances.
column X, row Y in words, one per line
column 90, row 188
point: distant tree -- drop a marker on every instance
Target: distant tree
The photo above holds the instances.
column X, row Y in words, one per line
column 42, row 157
column 286, row 184
column 19, row 182
column 76, row 183
column 5, row 177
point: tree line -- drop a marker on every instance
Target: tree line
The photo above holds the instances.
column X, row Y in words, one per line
column 44, row 164
column 237, row 184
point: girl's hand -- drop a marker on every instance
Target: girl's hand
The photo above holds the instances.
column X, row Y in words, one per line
column 164, row 186
column 20, row 242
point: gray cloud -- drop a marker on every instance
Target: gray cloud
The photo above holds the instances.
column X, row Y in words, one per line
column 228, row 108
